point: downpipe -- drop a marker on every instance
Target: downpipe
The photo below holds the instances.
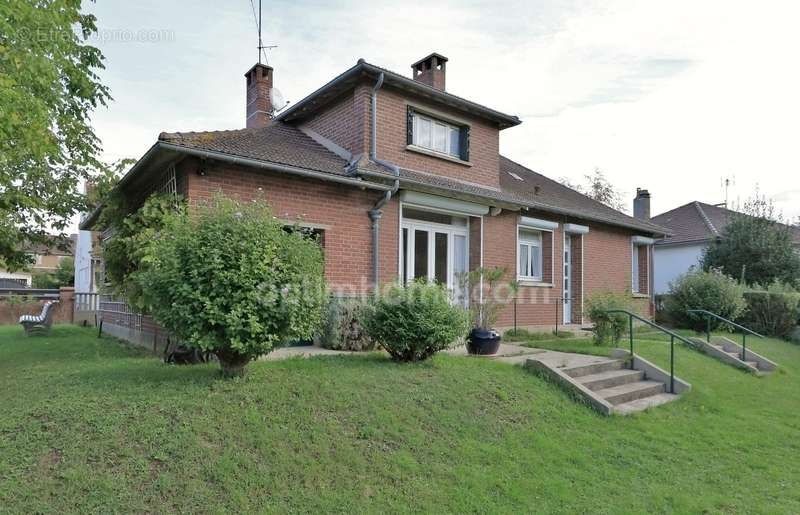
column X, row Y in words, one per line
column 376, row 212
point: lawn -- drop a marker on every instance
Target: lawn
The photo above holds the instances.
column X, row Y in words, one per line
column 91, row 425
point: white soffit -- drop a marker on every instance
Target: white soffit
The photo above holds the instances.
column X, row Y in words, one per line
column 537, row 223
column 443, row 203
column 576, row 229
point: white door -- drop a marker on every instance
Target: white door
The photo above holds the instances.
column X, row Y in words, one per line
column 567, row 279
column 435, row 253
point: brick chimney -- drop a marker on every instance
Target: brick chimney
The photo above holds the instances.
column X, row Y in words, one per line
column 430, row 70
column 641, row 204
column 259, row 105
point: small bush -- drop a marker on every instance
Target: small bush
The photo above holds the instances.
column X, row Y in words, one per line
column 772, row 312
column 608, row 328
column 414, row 322
column 712, row 291
column 342, row 329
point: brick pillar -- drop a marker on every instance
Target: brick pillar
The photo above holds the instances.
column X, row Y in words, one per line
column 66, row 297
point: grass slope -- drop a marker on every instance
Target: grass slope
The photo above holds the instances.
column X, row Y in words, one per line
column 90, row 425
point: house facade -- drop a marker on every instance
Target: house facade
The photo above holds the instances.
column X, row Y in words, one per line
column 44, row 260
column 693, row 227
column 402, row 180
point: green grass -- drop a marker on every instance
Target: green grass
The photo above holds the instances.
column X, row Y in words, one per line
column 90, row 425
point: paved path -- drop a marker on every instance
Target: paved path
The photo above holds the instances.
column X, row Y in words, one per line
column 508, row 353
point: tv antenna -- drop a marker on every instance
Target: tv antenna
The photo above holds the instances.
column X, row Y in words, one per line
column 726, row 183
column 261, row 47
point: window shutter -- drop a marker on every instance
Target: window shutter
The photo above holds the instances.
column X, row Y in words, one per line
column 464, row 143
column 409, row 125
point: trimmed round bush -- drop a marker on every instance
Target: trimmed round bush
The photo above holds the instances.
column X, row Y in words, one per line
column 414, row 322
column 342, row 327
column 712, row 291
column 229, row 278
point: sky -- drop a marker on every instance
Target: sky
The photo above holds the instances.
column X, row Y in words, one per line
column 672, row 96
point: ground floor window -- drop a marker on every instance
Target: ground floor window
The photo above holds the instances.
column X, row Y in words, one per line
column 530, row 255
column 640, row 268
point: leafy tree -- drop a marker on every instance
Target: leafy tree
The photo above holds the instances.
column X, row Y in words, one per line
column 64, row 275
column 48, row 88
column 229, row 279
column 755, row 247
column 598, row 187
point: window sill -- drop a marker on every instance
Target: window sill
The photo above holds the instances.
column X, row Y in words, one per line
column 534, row 284
column 433, row 153
column 637, row 295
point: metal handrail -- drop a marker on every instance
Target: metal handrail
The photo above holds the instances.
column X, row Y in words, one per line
column 709, row 315
column 671, row 334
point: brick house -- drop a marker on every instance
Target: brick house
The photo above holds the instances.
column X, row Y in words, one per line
column 402, row 179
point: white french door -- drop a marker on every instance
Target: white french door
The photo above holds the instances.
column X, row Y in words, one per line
column 435, row 252
column 567, row 279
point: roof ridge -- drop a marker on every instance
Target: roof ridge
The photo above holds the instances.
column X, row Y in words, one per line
column 706, row 219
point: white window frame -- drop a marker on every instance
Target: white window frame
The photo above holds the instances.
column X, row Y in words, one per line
column 449, row 129
column 530, row 244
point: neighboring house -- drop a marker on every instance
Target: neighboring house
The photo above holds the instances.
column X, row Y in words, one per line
column 45, row 260
column 402, row 179
column 693, row 226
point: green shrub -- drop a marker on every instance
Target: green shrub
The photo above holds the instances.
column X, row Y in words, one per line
column 608, row 328
column 414, row 322
column 229, row 279
column 774, row 311
column 712, row 291
column 342, row 329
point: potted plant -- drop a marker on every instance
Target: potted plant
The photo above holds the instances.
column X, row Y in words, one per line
column 483, row 339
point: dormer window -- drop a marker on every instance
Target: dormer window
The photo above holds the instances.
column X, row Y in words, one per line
column 437, row 135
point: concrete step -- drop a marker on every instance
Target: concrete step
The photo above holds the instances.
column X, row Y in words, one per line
column 631, row 391
column 642, row 404
column 595, row 368
column 609, row 378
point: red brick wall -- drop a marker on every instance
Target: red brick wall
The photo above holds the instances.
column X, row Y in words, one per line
column 484, row 142
column 345, row 121
column 340, row 209
column 606, row 258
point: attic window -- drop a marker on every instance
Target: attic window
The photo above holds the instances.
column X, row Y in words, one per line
column 517, row 177
column 435, row 134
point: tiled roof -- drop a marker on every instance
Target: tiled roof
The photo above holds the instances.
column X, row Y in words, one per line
column 282, row 143
column 551, row 195
column 697, row 221
column 278, row 143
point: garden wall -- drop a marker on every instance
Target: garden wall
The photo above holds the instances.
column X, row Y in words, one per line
column 15, row 302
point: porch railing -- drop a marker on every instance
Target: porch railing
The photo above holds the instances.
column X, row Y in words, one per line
column 672, row 337
column 709, row 316
column 87, row 301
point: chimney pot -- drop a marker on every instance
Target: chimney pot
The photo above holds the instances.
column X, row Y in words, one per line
column 641, row 204
column 431, row 70
column 259, row 105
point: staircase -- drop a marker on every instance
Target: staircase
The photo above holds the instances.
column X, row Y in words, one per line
column 612, row 386
column 730, row 352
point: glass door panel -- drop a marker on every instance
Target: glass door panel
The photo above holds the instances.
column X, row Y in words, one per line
column 420, row 254
column 440, row 258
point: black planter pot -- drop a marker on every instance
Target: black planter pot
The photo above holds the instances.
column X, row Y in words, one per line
column 483, row 342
